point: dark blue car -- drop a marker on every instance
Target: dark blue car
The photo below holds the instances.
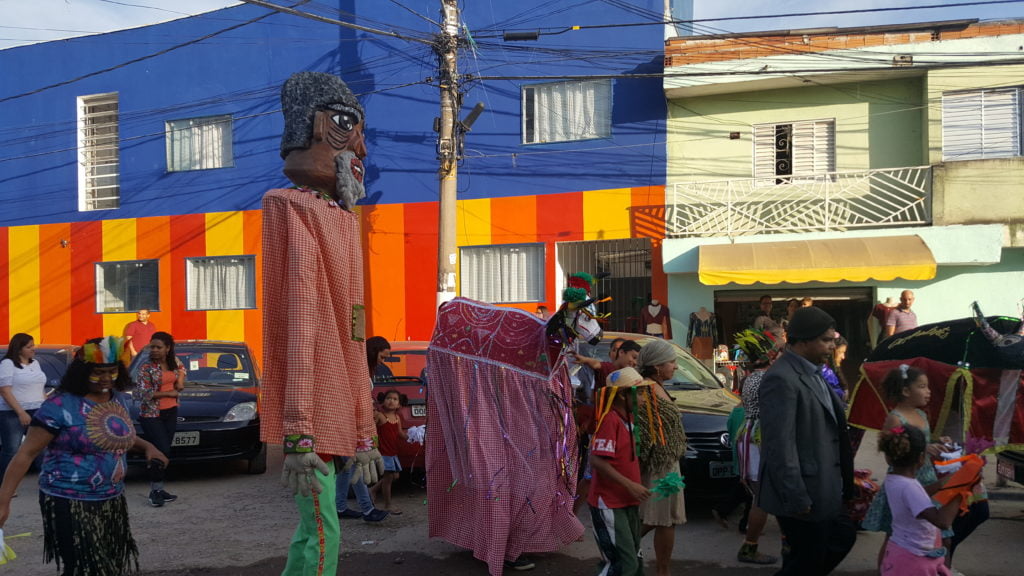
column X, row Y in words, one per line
column 218, row 414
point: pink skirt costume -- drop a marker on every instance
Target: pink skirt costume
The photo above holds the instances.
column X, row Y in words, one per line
column 315, row 381
column 501, row 443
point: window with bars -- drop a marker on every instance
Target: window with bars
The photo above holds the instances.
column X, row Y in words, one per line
column 98, row 151
column 566, row 111
column 502, row 273
column 221, row 282
column 981, row 124
column 127, row 286
column 199, row 143
column 791, row 151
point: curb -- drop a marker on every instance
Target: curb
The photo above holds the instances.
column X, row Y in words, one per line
column 1006, row 494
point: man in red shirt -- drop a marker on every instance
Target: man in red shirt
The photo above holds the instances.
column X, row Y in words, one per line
column 616, row 491
column 138, row 333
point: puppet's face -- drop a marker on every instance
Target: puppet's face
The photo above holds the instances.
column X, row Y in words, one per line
column 333, row 162
column 587, row 328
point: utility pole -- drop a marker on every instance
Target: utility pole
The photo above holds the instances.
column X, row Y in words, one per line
column 448, row 147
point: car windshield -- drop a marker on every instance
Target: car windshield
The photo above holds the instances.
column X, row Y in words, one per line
column 407, row 363
column 690, row 374
column 210, row 365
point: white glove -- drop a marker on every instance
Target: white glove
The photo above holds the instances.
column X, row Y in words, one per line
column 369, row 466
column 298, row 471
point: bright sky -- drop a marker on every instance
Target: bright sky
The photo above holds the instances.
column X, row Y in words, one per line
column 29, row 21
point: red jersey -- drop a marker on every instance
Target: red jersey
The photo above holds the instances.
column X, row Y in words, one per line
column 613, row 441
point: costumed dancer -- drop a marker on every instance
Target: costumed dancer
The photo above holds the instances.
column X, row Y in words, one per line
column 86, row 432
column 316, row 392
column 501, row 445
column 761, row 349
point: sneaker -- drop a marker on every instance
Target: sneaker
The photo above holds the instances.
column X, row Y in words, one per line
column 520, row 563
column 349, row 513
column 748, row 553
column 375, row 515
column 168, row 497
column 156, row 499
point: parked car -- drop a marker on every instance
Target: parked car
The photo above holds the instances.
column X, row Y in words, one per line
column 705, row 404
column 54, row 360
column 408, row 363
column 218, row 414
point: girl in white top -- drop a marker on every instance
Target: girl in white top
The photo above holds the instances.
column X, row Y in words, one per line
column 22, row 385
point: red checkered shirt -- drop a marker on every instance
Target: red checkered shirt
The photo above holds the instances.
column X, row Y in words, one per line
column 315, row 381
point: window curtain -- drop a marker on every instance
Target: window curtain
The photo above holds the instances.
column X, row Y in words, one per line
column 503, row 273
column 572, row 111
column 199, row 144
column 221, row 283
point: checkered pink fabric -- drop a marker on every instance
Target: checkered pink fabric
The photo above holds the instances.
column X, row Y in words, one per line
column 501, row 441
column 315, row 378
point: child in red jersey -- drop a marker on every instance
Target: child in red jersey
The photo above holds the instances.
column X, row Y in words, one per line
column 616, row 491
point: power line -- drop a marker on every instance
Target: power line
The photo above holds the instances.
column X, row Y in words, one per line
column 141, row 58
column 550, row 31
column 327, row 20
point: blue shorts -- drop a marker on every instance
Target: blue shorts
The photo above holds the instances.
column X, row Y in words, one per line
column 391, row 464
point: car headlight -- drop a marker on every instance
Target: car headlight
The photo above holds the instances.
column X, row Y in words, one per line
column 241, row 412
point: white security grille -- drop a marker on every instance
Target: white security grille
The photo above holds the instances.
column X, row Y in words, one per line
column 98, row 146
column 833, row 201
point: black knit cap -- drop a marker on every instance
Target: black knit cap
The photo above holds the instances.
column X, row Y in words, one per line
column 809, row 323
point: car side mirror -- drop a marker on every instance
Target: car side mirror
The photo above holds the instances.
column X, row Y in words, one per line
column 721, row 378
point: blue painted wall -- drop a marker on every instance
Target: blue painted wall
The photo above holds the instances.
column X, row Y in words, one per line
column 239, row 72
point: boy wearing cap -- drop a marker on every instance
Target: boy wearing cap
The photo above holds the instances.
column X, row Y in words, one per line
column 806, row 460
column 616, row 491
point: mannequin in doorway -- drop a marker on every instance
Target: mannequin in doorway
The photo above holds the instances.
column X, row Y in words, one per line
column 703, row 334
column 655, row 318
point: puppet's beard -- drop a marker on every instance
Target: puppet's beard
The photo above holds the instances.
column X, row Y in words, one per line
column 348, row 171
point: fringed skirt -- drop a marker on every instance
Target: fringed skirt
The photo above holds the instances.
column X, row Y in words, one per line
column 89, row 538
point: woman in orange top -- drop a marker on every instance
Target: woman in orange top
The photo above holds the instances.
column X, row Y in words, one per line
column 161, row 378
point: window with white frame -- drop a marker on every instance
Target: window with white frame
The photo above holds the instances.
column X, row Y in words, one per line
column 981, row 124
column 221, row 282
column 794, row 150
column 98, row 153
column 502, row 273
column 199, row 143
column 127, row 286
column 565, row 111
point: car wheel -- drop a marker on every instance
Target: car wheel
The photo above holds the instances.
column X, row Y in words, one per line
column 258, row 463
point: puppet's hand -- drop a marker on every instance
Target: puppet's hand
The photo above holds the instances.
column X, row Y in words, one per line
column 368, row 462
column 298, row 471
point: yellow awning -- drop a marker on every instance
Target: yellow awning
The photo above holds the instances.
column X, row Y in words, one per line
column 855, row 259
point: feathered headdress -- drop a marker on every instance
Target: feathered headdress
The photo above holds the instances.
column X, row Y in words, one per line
column 759, row 347
column 109, row 350
column 579, row 286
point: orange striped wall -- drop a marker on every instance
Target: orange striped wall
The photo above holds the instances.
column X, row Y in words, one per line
column 48, row 278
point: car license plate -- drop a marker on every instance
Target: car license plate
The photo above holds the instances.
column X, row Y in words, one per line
column 186, row 439
column 419, row 410
column 721, row 470
column 1005, row 469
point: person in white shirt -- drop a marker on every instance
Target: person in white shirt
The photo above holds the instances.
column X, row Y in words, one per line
column 22, row 385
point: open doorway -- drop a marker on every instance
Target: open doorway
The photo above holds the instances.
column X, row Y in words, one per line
column 628, row 264
column 736, row 310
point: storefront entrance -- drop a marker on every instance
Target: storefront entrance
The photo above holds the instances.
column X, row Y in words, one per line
column 737, row 309
column 628, row 264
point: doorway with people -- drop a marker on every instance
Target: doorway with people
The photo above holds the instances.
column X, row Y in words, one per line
column 739, row 309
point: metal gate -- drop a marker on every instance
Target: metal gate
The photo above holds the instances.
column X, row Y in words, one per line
column 628, row 263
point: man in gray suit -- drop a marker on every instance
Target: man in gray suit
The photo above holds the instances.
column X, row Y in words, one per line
column 806, row 460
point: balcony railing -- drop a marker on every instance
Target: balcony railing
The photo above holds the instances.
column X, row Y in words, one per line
column 833, row 201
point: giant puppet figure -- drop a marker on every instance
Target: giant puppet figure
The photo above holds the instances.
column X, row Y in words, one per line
column 316, row 387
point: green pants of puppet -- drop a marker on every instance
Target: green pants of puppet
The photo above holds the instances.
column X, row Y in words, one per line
column 314, row 547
